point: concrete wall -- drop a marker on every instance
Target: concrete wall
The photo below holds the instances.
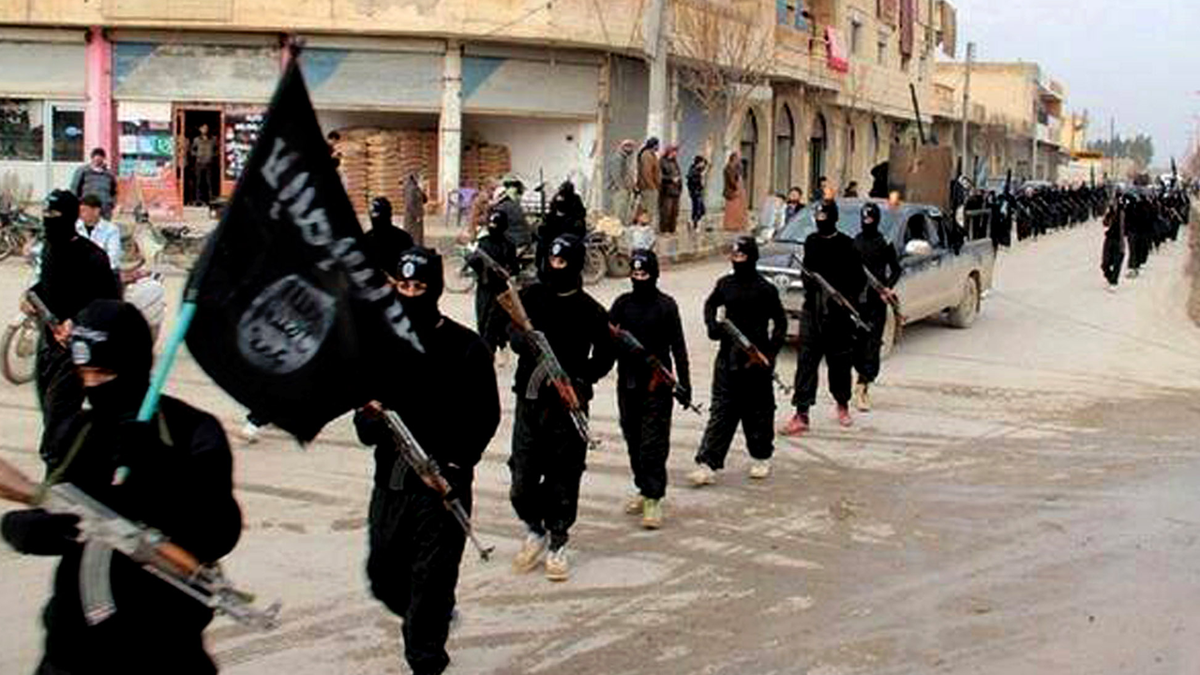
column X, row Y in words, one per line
column 560, row 148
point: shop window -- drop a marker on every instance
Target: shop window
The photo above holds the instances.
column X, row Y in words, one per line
column 67, row 130
column 21, row 130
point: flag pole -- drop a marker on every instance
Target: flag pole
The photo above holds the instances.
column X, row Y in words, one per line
column 187, row 310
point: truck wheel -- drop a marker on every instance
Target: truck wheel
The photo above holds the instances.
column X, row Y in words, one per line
column 967, row 310
column 618, row 265
column 891, row 333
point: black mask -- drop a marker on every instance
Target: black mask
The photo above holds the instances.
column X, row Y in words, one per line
column 644, row 288
column 60, row 213
column 423, row 265
column 422, row 310
column 566, row 279
column 562, row 280
column 118, row 399
column 827, row 218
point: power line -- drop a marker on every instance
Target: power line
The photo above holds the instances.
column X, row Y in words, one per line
column 549, row 5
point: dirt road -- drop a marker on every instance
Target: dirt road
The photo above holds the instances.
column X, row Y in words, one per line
column 1022, row 501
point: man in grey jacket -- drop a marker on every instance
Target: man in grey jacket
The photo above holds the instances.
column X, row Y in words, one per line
column 95, row 178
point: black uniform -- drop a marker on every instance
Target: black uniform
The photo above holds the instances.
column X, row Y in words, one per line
column 385, row 242
column 879, row 257
column 74, row 272
column 449, row 400
column 490, row 319
column 742, row 391
column 179, row 481
column 653, row 318
column 826, row 330
column 1113, row 253
column 566, row 215
column 548, row 456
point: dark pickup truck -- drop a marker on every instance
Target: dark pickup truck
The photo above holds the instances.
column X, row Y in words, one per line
column 943, row 271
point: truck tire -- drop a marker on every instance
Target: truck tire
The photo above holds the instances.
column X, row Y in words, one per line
column 967, row 310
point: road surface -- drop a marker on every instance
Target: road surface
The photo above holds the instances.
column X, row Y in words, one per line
column 1022, row 501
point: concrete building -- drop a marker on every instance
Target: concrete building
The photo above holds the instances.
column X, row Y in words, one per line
column 558, row 83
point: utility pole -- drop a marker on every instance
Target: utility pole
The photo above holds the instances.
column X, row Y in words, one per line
column 654, row 23
column 966, row 120
column 1112, row 148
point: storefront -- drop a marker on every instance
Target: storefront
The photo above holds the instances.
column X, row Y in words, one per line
column 41, row 107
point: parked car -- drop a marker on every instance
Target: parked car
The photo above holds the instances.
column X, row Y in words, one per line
column 943, row 272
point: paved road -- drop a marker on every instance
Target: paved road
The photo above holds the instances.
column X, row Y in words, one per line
column 1021, row 502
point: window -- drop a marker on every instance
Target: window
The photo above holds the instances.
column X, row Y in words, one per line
column 855, row 37
column 67, row 130
column 922, row 69
column 881, row 54
column 21, row 130
column 905, row 62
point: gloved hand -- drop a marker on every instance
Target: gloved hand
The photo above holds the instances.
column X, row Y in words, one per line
column 460, row 480
column 39, row 532
column 685, row 397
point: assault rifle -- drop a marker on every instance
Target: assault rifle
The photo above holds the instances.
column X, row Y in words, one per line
column 548, row 368
column 104, row 531
column 662, row 374
column 887, row 295
column 41, row 310
column 427, row 468
column 756, row 356
column 834, row 294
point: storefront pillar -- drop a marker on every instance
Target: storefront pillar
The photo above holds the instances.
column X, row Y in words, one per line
column 450, row 125
column 99, row 128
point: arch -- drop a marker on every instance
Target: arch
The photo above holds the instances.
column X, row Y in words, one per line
column 749, row 148
column 874, row 143
column 785, row 146
column 818, row 144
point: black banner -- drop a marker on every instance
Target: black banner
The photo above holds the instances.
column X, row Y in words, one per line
column 288, row 307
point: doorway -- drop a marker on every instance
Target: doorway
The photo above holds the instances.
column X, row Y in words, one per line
column 816, row 157
column 199, row 153
column 749, row 146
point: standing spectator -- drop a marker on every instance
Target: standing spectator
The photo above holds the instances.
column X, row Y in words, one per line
column 695, row 184
column 620, row 180
column 649, row 178
column 735, row 195
column 795, row 202
column 203, row 150
column 414, row 208
column 672, row 189
column 96, row 179
column 95, row 227
column 851, row 190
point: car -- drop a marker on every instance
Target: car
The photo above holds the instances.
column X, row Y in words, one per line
column 944, row 273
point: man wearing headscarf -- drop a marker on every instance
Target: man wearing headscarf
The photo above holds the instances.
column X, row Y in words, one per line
column 548, row 455
column 826, row 331
column 742, row 390
column 490, row 319
column 173, row 473
column 672, row 190
column 415, row 544
column 620, row 180
column 649, row 179
column 735, row 194
column 414, row 208
column 385, row 242
column 646, row 404
column 697, row 175
column 880, row 258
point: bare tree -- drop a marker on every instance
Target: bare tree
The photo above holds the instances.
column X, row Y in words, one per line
column 725, row 51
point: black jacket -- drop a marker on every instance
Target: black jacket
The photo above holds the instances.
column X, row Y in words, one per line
column 654, row 321
column 837, row 260
column 74, row 273
column 448, row 399
column 753, row 306
column 384, row 244
column 181, row 483
column 576, row 326
column 879, row 257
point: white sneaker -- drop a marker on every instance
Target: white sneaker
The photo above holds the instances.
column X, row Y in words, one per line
column 558, row 567
column 249, row 433
column 633, row 507
column 531, row 551
column 703, row 475
column 760, row 468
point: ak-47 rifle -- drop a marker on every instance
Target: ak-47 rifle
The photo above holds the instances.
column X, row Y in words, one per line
column 833, row 294
column 548, row 368
column 431, row 474
column 887, row 295
column 42, row 311
column 662, row 374
column 104, row 532
column 754, row 353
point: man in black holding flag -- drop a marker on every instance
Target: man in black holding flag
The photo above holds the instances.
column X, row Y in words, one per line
column 548, row 456
column 415, row 543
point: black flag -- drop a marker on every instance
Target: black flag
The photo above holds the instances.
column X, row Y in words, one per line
column 287, row 306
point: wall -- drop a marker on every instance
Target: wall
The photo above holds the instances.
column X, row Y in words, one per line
column 629, row 101
column 1007, row 90
column 560, row 148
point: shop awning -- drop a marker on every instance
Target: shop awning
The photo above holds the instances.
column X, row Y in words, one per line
column 42, row 70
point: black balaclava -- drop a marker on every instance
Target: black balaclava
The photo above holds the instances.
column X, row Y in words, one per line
column 748, row 269
column 646, row 261
column 870, row 219
column 570, row 278
column 59, row 215
column 498, row 222
column 425, row 265
column 826, row 217
column 114, row 335
column 381, row 213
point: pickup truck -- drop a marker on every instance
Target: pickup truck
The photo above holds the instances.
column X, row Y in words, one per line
column 943, row 272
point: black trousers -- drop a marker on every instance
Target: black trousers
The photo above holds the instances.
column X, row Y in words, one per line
column 745, row 395
column 646, row 425
column 866, row 360
column 698, row 208
column 59, row 389
column 1113, row 256
column 415, row 550
column 829, row 338
column 547, row 463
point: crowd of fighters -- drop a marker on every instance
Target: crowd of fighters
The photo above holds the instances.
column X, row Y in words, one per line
column 182, row 458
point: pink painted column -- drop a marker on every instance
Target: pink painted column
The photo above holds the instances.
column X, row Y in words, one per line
column 99, row 124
